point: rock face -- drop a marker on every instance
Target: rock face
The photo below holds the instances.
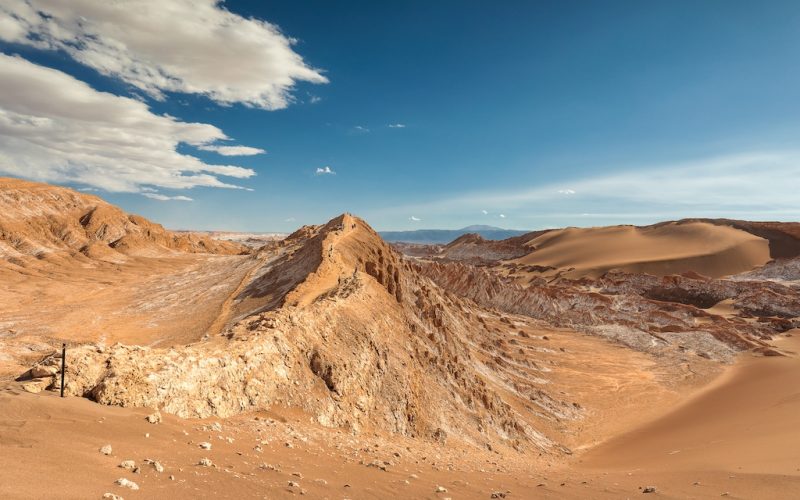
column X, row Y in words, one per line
column 338, row 324
column 645, row 312
column 43, row 222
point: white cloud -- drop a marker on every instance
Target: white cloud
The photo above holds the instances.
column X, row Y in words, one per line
column 326, row 170
column 361, row 129
column 566, row 191
column 232, row 150
column 163, row 197
column 314, row 99
column 289, row 219
column 189, row 46
column 414, row 219
column 55, row 128
column 396, row 125
column 502, row 216
column 485, row 212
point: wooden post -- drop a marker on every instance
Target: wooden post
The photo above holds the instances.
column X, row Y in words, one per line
column 63, row 365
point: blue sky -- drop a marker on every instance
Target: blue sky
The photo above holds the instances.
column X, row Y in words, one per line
column 428, row 114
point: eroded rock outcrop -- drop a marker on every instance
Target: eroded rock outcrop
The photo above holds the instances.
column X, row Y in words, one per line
column 645, row 312
column 338, row 324
column 42, row 222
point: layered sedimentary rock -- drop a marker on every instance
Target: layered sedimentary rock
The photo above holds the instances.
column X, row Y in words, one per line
column 42, row 222
column 643, row 311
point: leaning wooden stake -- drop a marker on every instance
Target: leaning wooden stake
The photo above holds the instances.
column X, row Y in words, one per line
column 63, row 364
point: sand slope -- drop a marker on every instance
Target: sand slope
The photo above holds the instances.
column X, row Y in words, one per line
column 663, row 249
column 746, row 425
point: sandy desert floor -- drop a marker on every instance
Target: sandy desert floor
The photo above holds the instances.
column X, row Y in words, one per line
column 48, row 305
column 736, row 437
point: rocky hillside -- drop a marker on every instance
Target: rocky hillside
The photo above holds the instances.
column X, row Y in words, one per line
column 338, row 324
column 642, row 311
column 43, row 222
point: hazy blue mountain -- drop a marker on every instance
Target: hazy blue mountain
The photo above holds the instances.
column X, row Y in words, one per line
column 448, row 235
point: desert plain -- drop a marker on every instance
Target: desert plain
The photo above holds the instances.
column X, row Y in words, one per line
column 617, row 362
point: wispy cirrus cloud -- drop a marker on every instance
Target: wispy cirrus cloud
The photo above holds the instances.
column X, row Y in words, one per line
column 753, row 185
column 163, row 197
column 157, row 46
column 55, row 128
column 414, row 219
column 396, row 125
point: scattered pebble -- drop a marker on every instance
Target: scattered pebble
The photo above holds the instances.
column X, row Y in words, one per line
column 649, row 489
column 205, row 462
column 106, row 450
column 156, row 464
column 126, row 483
column 204, row 445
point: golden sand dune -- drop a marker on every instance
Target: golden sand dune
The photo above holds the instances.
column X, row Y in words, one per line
column 669, row 248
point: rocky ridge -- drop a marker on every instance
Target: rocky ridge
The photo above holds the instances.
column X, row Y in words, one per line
column 39, row 222
column 339, row 325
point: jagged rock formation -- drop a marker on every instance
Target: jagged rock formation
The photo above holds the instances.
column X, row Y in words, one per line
column 338, row 324
column 42, row 222
column 474, row 249
column 786, row 271
column 643, row 311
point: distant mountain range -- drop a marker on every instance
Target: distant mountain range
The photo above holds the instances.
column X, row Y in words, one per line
column 448, row 235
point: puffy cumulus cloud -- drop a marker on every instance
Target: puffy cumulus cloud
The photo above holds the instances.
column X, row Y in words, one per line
column 566, row 191
column 232, row 150
column 414, row 219
column 485, row 212
column 396, row 125
column 189, row 46
column 55, row 128
column 502, row 216
column 326, row 170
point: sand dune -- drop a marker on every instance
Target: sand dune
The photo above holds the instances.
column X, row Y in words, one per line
column 746, row 424
column 663, row 249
